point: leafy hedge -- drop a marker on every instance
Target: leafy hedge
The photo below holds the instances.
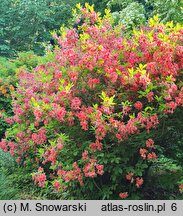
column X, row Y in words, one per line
column 9, row 68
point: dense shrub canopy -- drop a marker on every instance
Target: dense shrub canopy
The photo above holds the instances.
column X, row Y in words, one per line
column 87, row 113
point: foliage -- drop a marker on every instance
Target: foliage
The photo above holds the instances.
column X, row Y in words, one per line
column 132, row 15
column 99, row 5
column 163, row 174
column 135, row 12
column 7, row 191
column 26, row 24
column 87, row 117
column 170, row 10
column 15, row 182
column 8, row 82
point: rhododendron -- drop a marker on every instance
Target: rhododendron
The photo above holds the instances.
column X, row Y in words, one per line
column 123, row 195
column 3, row 145
column 9, row 121
column 56, row 185
column 129, row 176
column 82, row 114
column 143, row 153
column 100, row 169
column 75, row 103
column 150, row 97
column 85, row 155
column 152, row 156
column 139, row 182
column 149, row 143
column 39, row 178
column 138, row 105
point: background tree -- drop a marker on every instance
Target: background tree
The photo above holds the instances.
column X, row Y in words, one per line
column 135, row 12
column 168, row 10
column 26, row 24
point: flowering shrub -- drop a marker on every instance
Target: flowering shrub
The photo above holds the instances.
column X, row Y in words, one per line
column 8, row 80
column 84, row 118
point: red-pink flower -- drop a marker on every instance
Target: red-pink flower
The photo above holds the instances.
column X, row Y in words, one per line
column 139, row 182
column 9, row 120
column 143, row 153
column 60, row 146
column 61, row 172
column 172, row 105
column 38, row 114
column 56, row 185
column 96, row 146
column 93, row 82
column 75, row 103
column 150, row 97
column 123, row 195
column 150, row 143
column 129, row 176
column 58, row 74
column 40, row 169
column 18, row 160
column 138, row 105
column 73, row 76
column 39, row 137
column 85, row 155
column 152, row 156
column 40, row 179
column 61, row 112
column 100, row 169
column 89, row 170
column 3, row 145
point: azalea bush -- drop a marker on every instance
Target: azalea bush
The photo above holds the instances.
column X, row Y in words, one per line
column 85, row 120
